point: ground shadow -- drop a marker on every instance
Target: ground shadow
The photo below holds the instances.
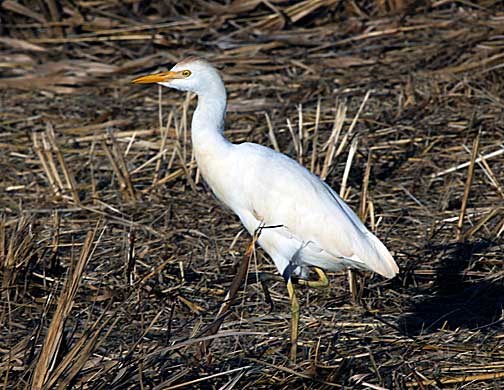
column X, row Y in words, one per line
column 456, row 300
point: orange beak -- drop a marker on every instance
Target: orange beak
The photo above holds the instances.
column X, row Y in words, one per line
column 156, row 78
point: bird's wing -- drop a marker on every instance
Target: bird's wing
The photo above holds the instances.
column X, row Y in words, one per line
column 282, row 192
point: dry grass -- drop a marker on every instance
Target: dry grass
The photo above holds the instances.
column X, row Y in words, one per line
column 115, row 258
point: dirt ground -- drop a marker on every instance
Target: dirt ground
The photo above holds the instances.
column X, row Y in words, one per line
column 115, row 257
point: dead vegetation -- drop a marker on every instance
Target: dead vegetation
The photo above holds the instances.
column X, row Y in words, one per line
column 115, row 258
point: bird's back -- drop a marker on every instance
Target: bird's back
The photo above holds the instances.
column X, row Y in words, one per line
column 279, row 191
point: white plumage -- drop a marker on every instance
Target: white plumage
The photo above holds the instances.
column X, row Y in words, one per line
column 266, row 188
column 306, row 224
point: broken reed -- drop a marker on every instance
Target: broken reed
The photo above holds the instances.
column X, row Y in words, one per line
column 408, row 123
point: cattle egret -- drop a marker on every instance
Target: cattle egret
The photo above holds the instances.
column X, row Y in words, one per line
column 303, row 223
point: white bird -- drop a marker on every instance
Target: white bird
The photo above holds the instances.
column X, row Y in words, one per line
column 303, row 223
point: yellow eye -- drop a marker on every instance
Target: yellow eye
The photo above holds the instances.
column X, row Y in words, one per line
column 186, row 73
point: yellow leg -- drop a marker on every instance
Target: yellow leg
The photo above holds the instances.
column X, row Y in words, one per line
column 321, row 282
column 294, row 320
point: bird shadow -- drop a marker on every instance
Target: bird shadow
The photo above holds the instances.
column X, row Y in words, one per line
column 456, row 300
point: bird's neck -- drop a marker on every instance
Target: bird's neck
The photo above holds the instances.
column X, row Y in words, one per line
column 208, row 123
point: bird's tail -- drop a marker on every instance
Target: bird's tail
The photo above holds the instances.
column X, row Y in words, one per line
column 383, row 263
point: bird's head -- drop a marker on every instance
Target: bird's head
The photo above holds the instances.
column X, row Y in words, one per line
column 192, row 74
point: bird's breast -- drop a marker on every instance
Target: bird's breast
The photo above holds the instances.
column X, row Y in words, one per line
column 218, row 175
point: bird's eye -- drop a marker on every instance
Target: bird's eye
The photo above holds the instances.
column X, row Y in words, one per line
column 186, row 73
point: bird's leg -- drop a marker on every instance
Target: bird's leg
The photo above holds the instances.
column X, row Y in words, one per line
column 265, row 278
column 294, row 319
column 321, row 282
